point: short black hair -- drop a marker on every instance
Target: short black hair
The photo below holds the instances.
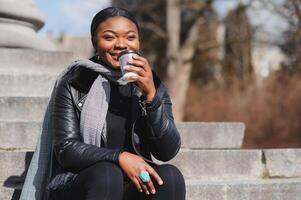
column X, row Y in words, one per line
column 109, row 12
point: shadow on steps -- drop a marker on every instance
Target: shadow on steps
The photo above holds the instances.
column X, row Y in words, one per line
column 16, row 182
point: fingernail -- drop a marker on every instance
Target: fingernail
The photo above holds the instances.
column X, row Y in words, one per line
column 147, row 192
column 126, row 67
column 140, row 190
column 160, row 182
column 153, row 191
column 133, row 77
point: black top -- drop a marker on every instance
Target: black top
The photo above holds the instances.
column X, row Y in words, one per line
column 119, row 118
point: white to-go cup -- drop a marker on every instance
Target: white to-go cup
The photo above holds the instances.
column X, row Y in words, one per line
column 123, row 59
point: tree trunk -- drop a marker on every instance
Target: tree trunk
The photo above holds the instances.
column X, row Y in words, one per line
column 173, row 75
column 179, row 59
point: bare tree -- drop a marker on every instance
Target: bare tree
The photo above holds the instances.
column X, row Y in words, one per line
column 290, row 12
column 238, row 45
column 207, row 61
column 180, row 55
column 292, row 43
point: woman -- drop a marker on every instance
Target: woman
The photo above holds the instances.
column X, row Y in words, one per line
column 104, row 132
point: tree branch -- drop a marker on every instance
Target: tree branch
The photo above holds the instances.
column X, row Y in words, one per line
column 189, row 45
column 154, row 28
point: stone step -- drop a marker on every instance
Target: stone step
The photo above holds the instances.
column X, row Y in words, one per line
column 273, row 189
column 23, row 134
column 22, row 108
column 283, row 162
column 26, row 84
column 13, row 166
column 267, row 189
column 194, row 164
column 211, row 165
column 7, row 193
column 220, row 164
column 33, row 61
column 211, row 135
column 19, row 135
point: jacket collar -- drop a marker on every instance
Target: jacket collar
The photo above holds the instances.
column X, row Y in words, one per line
column 82, row 78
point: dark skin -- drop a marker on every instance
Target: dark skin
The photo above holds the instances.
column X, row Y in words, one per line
column 113, row 36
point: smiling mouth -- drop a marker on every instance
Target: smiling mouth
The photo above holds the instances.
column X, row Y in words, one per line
column 114, row 56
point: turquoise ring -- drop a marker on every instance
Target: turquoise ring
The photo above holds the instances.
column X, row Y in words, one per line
column 144, row 176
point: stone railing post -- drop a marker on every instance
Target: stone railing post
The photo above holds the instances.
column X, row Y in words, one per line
column 19, row 23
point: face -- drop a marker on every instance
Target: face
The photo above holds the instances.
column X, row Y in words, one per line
column 113, row 36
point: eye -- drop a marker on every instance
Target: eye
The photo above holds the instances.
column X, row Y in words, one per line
column 132, row 37
column 108, row 37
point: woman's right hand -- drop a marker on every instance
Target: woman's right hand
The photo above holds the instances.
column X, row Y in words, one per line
column 132, row 165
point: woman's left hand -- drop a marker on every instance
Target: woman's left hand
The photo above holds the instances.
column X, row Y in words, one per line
column 144, row 80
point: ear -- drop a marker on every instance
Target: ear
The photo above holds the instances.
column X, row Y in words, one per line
column 94, row 42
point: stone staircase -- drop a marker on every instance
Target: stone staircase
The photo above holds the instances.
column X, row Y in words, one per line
column 214, row 166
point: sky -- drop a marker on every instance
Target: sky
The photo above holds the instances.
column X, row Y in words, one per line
column 74, row 16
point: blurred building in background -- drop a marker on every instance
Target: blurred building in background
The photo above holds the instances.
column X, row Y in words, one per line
column 79, row 45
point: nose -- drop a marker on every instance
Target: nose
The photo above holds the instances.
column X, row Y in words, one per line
column 121, row 44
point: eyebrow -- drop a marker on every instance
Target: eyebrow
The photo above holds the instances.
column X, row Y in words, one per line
column 111, row 31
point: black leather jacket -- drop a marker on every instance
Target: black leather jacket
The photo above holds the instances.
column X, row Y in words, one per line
column 153, row 128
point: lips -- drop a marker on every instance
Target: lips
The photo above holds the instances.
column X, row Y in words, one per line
column 114, row 55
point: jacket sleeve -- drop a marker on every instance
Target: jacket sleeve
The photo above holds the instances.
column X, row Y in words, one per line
column 164, row 136
column 70, row 150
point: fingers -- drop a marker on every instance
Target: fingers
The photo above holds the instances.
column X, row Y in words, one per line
column 148, row 187
column 136, row 78
column 138, row 70
column 137, row 183
column 141, row 62
column 144, row 187
column 138, row 63
column 154, row 174
column 151, row 186
column 140, row 66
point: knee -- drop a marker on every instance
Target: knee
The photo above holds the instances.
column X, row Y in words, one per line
column 171, row 176
column 105, row 174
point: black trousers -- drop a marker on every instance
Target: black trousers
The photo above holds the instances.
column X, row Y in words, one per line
column 106, row 181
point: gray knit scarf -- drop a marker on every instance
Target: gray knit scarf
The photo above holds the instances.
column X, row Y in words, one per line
column 94, row 111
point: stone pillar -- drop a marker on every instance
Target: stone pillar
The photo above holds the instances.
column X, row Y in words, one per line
column 19, row 23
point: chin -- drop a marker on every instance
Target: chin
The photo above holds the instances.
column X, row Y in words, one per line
column 112, row 63
column 115, row 66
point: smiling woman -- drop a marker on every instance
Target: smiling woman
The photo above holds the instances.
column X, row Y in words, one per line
column 104, row 131
column 113, row 36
